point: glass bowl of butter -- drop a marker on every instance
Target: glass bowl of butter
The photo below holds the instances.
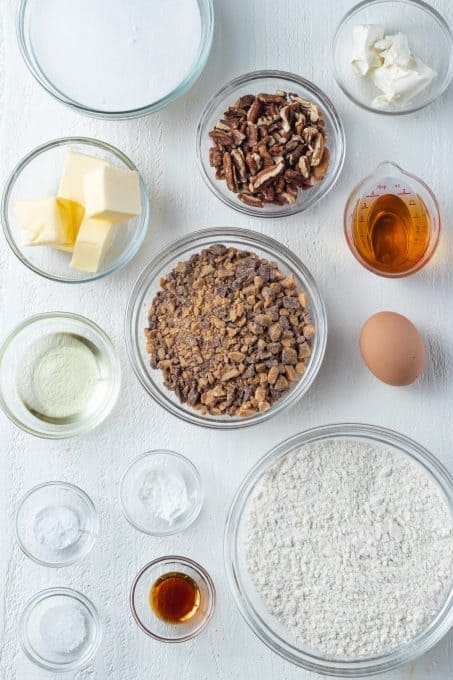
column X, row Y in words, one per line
column 75, row 210
column 393, row 56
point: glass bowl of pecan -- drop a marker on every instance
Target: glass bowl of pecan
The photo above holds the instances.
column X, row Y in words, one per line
column 225, row 328
column 270, row 144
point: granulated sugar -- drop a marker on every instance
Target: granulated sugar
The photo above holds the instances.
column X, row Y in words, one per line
column 350, row 546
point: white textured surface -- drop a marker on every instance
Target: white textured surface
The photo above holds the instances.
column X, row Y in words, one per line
column 293, row 35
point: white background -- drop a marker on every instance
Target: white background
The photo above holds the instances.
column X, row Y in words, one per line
column 287, row 34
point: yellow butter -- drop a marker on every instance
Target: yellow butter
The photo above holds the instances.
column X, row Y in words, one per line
column 93, row 241
column 77, row 166
column 45, row 222
column 77, row 214
column 112, row 194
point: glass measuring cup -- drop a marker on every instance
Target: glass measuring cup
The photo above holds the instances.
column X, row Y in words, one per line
column 392, row 222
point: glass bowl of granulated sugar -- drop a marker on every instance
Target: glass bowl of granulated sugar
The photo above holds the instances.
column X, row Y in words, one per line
column 339, row 550
column 114, row 59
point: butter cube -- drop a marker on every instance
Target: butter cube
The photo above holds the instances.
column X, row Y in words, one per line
column 77, row 166
column 77, row 214
column 45, row 222
column 112, row 194
column 93, row 241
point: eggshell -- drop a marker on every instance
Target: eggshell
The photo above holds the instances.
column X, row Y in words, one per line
column 392, row 348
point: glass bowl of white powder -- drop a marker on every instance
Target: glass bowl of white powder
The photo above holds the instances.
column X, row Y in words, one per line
column 60, row 375
column 60, row 630
column 430, row 40
column 56, row 524
column 115, row 59
column 339, row 550
column 161, row 493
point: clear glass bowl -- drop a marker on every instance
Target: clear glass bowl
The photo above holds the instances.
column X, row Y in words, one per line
column 148, row 285
column 37, row 175
column 430, row 38
column 135, row 510
column 12, row 352
column 395, row 180
column 250, row 605
column 149, row 622
column 56, row 494
column 270, row 81
column 80, row 83
column 34, row 644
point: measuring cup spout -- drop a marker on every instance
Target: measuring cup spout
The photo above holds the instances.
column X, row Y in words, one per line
column 388, row 169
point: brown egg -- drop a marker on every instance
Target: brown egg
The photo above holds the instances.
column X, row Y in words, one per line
column 392, row 348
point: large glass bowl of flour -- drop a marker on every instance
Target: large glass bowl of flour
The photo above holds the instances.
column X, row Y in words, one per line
column 115, row 59
column 428, row 488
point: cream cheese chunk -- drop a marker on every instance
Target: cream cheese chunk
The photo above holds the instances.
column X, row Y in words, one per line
column 93, row 241
column 364, row 54
column 388, row 63
column 112, row 194
column 45, row 222
column 77, row 167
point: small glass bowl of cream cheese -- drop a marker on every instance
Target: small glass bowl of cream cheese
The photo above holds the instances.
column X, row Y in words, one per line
column 430, row 40
column 56, row 524
column 60, row 375
column 161, row 493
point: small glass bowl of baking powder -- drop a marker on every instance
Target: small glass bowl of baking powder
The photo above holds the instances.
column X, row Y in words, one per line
column 56, row 524
column 161, row 493
column 60, row 630
column 430, row 38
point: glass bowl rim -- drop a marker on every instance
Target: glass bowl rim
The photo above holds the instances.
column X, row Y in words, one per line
column 53, row 144
column 228, row 89
column 39, row 597
column 419, row 4
column 207, row 33
column 200, row 491
column 89, row 425
column 200, row 238
column 93, row 512
column 432, row 245
column 207, row 580
column 362, row 666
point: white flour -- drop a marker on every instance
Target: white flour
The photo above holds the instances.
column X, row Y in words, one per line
column 350, row 546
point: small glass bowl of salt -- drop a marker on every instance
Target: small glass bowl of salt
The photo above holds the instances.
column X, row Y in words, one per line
column 56, row 524
column 60, row 629
column 161, row 493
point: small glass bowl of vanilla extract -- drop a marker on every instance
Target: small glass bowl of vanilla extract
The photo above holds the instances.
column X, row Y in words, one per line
column 172, row 599
column 392, row 222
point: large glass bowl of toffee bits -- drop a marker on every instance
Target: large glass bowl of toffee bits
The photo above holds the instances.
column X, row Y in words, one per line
column 270, row 144
column 226, row 328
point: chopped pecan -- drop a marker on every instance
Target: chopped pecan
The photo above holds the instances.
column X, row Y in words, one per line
column 229, row 172
column 239, row 163
column 249, row 199
column 266, row 175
